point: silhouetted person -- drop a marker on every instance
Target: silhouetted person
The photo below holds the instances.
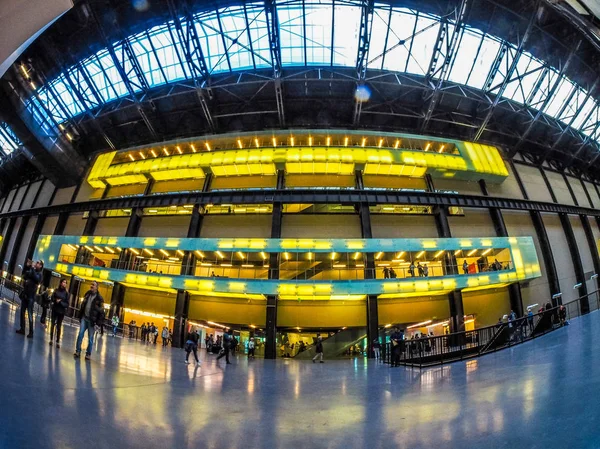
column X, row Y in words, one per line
column 425, row 271
column 397, row 341
column 386, row 273
column 251, row 348
column 420, row 269
column 59, row 303
column 392, row 273
column 191, row 345
column 227, row 337
column 319, row 350
column 411, row 269
column 465, row 267
column 32, row 276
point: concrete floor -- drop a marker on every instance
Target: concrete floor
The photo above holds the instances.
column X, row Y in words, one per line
column 542, row 394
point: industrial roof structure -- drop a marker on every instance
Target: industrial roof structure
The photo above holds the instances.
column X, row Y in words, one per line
column 522, row 75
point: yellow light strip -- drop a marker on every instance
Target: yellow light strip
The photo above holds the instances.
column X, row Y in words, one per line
column 419, row 324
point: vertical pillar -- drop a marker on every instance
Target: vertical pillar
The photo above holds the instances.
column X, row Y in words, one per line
column 566, row 178
column 587, row 193
column 271, row 312
column 182, row 307
column 74, row 287
column 37, row 230
column 12, row 261
column 366, row 231
column 116, row 300
column 589, row 235
column 576, row 260
column 7, row 235
column 188, row 265
column 59, row 229
column 88, row 229
column 547, row 255
column 514, row 290
column 457, row 311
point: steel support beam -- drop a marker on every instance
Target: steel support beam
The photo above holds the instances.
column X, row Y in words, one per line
column 577, row 265
column 509, row 73
column 366, row 22
column 443, row 72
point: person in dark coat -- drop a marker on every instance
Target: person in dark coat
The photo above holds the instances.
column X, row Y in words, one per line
column 227, row 339
column 90, row 314
column 397, row 340
column 60, row 303
column 191, row 345
column 32, row 275
column 319, row 350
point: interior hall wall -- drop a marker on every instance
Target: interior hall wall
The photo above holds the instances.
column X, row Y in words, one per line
column 11, row 242
column 509, row 188
column 534, row 183
column 579, row 192
column 413, row 310
column 45, row 195
column 31, row 193
column 474, row 223
column 112, row 226
column 389, row 226
column 22, row 250
column 9, row 198
column 319, row 313
column 559, row 187
column 165, row 226
column 519, row 224
column 75, row 225
column 593, row 194
column 63, row 196
column 49, row 225
column 18, row 198
column 228, row 310
column 487, row 305
column 243, row 226
column 562, row 256
column 321, row 226
column 162, row 303
column 585, row 252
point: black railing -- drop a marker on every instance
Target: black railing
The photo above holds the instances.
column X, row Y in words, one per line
column 428, row 351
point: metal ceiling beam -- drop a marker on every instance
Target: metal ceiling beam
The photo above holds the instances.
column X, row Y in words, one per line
column 275, row 48
column 362, row 57
column 548, row 98
column 122, row 72
column 509, row 73
column 567, row 127
column 444, row 71
column 194, row 57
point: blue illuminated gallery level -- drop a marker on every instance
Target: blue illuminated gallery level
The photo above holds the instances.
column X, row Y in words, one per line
column 523, row 265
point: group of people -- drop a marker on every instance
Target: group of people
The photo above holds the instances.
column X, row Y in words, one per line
column 149, row 334
column 227, row 342
column 421, row 270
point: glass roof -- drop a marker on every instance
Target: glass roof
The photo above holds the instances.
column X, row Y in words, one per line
column 311, row 33
column 9, row 142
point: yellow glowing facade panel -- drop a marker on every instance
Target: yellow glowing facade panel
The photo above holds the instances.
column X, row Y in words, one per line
column 473, row 157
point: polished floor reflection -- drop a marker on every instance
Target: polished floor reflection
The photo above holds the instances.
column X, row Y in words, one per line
column 541, row 394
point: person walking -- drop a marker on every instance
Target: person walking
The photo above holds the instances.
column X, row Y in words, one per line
column 251, row 348
column 227, row 337
column 115, row 325
column 397, row 340
column 90, row 313
column 32, row 277
column 165, row 336
column 45, row 303
column 59, row 303
column 376, row 348
column 319, row 350
column 530, row 320
column 191, row 345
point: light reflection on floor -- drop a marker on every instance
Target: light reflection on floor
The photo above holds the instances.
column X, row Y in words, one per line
column 136, row 395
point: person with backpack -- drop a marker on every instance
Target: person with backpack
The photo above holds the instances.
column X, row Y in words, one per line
column 191, row 345
column 227, row 338
column 319, row 350
column 59, row 303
